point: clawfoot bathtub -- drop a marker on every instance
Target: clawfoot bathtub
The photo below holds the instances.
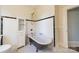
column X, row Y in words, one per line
column 40, row 42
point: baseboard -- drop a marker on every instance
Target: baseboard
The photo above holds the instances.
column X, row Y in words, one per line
column 73, row 44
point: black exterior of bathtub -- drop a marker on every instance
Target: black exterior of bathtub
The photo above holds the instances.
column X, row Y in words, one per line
column 37, row 45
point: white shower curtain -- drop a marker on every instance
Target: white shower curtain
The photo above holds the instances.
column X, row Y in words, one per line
column 10, row 34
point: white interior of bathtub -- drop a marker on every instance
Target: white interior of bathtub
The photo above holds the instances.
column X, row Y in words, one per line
column 41, row 39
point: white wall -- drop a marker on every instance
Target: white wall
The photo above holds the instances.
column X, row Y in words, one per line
column 30, row 25
column 22, row 11
column 44, row 11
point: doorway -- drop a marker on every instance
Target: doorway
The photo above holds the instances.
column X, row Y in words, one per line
column 73, row 28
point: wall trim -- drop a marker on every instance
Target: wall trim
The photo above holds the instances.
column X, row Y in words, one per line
column 73, row 44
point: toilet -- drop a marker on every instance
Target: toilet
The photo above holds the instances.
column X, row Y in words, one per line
column 5, row 48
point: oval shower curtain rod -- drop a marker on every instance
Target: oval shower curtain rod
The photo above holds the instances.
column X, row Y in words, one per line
column 41, row 19
column 46, row 18
column 28, row 19
column 8, row 17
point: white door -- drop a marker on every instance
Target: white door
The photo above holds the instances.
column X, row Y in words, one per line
column 21, row 33
column 10, row 28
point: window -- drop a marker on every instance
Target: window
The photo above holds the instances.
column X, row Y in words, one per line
column 21, row 24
